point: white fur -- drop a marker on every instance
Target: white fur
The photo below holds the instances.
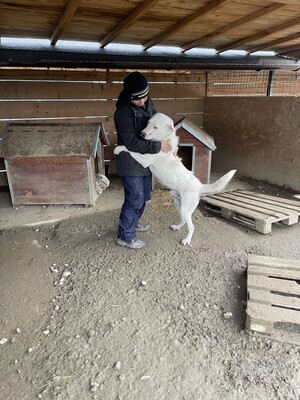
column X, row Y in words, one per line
column 169, row 170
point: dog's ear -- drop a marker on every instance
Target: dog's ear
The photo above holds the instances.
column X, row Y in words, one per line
column 170, row 127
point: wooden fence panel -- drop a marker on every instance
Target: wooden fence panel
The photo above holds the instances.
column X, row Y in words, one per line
column 47, row 96
column 17, row 90
column 96, row 75
column 17, row 110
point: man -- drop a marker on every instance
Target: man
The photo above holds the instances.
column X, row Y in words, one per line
column 134, row 109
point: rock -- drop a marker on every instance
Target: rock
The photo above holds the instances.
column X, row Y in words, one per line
column 121, row 377
column 228, row 315
column 117, row 365
column 145, row 377
column 4, row 340
column 66, row 274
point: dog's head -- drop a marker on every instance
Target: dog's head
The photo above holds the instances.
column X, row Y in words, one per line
column 159, row 127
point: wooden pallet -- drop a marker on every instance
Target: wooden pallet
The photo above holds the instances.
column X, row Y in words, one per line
column 254, row 210
column 273, row 287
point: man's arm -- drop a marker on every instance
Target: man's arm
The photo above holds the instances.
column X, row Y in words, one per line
column 126, row 132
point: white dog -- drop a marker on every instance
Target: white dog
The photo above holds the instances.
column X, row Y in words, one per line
column 169, row 170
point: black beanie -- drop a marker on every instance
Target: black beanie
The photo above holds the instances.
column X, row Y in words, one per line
column 136, row 85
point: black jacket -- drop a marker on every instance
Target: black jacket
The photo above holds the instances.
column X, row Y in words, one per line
column 130, row 121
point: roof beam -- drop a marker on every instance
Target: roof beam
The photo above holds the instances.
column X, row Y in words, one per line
column 273, row 43
column 212, row 6
column 251, row 17
column 259, row 35
column 290, row 49
column 138, row 13
column 64, row 20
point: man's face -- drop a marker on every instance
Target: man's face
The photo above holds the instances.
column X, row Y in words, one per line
column 139, row 102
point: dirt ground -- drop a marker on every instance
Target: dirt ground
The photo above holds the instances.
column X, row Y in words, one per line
column 85, row 319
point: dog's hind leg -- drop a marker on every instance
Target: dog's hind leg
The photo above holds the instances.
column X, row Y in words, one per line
column 177, row 204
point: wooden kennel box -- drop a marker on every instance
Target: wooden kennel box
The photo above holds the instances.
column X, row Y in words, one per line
column 53, row 163
column 195, row 148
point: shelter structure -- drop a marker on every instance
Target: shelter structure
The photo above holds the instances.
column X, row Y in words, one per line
column 53, row 163
column 195, row 148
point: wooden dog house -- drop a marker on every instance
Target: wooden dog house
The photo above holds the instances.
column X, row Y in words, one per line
column 195, row 148
column 53, row 163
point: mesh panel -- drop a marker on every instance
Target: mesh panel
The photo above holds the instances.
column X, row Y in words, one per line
column 252, row 83
column 285, row 83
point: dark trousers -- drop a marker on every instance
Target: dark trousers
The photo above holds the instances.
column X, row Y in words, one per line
column 137, row 190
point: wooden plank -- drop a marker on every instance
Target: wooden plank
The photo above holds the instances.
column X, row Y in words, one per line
column 277, row 285
column 49, row 180
column 183, row 23
column 279, row 200
column 13, row 90
column 96, row 76
column 261, row 225
column 133, row 17
column 290, row 206
column 55, row 109
column 272, row 299
column 274, row 262
column 66, row 17
column 91, row 177
column 96, row 109
column 272, row 314
column 255, row 199
column 274, row 272
column 249, row 212
column 228, row 27
column 259, row 35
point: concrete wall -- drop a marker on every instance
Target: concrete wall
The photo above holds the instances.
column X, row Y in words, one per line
column 259, row 136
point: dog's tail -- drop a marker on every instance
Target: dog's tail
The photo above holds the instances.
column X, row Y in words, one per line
column 219, row 185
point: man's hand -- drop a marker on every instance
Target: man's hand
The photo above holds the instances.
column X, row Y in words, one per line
column 165, row 146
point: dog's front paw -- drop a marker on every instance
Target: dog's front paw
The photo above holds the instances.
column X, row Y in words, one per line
column 118, row 149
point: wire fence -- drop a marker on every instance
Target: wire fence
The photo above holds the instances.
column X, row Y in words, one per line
column 252, row 83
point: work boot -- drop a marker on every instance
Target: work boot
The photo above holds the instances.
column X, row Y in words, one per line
column 131, row 244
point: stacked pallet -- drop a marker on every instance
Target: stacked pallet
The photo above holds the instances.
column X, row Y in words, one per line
column 273, row 287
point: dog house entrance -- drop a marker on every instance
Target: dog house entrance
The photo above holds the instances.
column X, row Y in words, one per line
column 187, row 153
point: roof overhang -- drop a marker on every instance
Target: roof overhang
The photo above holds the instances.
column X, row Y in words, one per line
column 50, row 56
